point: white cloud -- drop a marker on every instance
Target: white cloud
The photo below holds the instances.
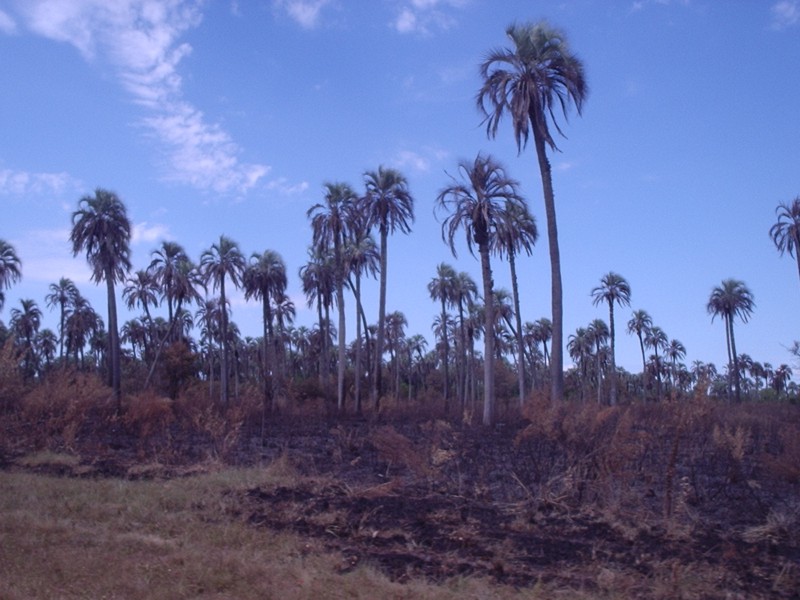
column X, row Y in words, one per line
column 145, row 232
column 422, row 16
column 785, row 13
column 140, row 38
column 305, row 12
column 418, row 161
column 7, row 24
column 284, row 188
column 23, row 183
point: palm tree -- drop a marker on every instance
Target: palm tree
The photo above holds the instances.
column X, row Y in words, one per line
column 329, row 221
column 362, row 257
column 466, row 291
column 580, row 348
column 390, row 207
column 675, row 351
column 81, row 322
column 786, row 232
column 613, row 289
column 61, row 295
column 530, row 83
column 318, row 285
column 10, row 269
column 142, row 290
column 101, row 228
column 442, row 288
column 164, row 266
column 396, row 324
column 599, row 334
column 223, row 261
column 478, row 203
column 640, row 324
column 25, row 324
column 729, row 300
column 45, row 344
column 265, row 279
column 518, row 233
column 656, row 339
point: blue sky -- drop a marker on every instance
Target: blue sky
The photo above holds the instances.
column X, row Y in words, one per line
column 227, row 117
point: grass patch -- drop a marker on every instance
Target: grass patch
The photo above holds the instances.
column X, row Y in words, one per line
column 176, row 538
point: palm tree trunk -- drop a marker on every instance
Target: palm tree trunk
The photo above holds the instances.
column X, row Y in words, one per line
column 223, row 375
column 557, row 347
column 735, row 363
column 376, row 384
column 113, row 342
column 341, row 340
column 462, row 381
column 359, row 312
column 520, row 342
column 613, row 399
column 488, row 336
column 446, row 360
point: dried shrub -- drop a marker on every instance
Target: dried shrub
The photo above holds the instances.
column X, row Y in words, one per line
column 63, row 404
column 11, row 383
column 149, row 414
column 397, row 450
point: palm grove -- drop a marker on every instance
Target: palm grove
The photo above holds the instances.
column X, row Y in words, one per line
column 530, row 84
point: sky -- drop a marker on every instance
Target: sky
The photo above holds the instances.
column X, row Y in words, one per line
column 229, row 116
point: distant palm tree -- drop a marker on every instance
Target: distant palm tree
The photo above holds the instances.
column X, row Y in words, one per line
column 46, row 344
column 478, row 203
column 656, row 339
column 729, row 300
column 142, row 290
column 442, row 288
column 675, row 351
column 517, row 233
column 81, row 323
column 466, row 291
column 530, row 82
column 390, row 207
column 640, row 324
column 265, row 279
column 61, row 295
column 613, row 289
column 224, row 260
column 10, row 269
column 580, row 347
column 25, row 324
column 786, row 232
column 101, row 229
column 164, row 267
column 598, row 333
column 396, row 324
column 318, row 283
column 329, row 222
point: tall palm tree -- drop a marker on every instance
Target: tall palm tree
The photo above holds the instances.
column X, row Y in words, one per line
column 640, row 324
column 675, row 351
column 265, row 279
column 613, row 289
column 478, row 203
column 317, row 279
column 518, row 233
column 61, row 295
column 362, row 258
column 46, row 344
column 81, row 323
column 396, row 324
column 580, row 348
column 224, row 260
column 442, row 288
column 786, row 232
column 10, row 269
column 729, row 300
column 164, row 266
column 599, row 335
column 329, row 222
column 101, row 229
column 390, row 207
column 530, row 82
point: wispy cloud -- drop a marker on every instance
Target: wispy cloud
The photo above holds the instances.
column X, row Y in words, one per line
column 785, row 13
column 418, row 161
column 424, row 16
column 284, row 188
column 141, row 40
column 638, row 5
column 7, row 24
column 307, row 13
column 23, row 183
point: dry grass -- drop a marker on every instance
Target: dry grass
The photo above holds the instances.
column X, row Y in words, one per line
column 74, row 538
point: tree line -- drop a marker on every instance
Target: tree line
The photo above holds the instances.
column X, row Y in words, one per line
column 532, row 83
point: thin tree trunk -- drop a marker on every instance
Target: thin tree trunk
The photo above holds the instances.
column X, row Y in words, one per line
column 446, row 361
column 557, row 347
column 341, row 339
column 462, row 391
column 376, row 386
column 613, row 399
column 359, row 312
column 488, row 337
column 223, row 375
column 736, row 381
column 113, row 343
column 520, row 342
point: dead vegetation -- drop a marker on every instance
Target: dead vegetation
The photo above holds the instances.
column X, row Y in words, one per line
column 691, row 500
